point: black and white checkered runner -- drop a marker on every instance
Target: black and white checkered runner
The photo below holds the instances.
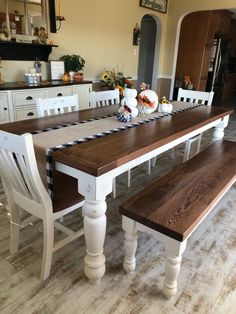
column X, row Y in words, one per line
column 51, row 150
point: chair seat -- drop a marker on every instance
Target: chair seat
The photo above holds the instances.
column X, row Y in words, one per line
column 65, row 189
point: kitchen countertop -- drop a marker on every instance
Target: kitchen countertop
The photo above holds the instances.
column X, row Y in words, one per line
column 24, row 85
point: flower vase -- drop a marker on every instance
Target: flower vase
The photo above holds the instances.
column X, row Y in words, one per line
column 142, row 110
column 79, row 76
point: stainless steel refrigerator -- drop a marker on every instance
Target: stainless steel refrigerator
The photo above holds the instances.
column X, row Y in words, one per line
column 218, row 66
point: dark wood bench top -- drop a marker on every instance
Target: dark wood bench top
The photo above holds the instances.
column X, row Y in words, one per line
column 176, row 203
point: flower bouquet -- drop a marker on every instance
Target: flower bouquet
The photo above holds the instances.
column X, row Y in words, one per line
column 116, row 79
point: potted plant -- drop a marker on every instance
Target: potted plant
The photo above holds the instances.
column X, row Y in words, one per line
column 74, row 65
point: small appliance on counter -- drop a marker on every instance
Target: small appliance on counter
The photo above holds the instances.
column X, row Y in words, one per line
column 33, row 78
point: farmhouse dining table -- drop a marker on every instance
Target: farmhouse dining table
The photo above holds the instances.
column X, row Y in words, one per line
column 100, row 148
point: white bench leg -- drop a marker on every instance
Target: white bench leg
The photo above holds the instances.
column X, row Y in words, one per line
column 172, row 271
column 175, row 250
column 130, row 244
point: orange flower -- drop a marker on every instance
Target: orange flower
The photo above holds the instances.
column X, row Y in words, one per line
column 143, row 100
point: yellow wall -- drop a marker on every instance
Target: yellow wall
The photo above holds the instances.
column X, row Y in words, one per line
column 100, row 31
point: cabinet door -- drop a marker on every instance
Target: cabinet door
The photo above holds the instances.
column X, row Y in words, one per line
column 223, row 24
column 24, row 113
column 82, row 91
column 4, row 108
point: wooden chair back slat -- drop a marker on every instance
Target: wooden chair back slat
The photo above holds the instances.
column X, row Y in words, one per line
column 197, row 97
column 56, row 105
column 19, row 170
column 104, row 98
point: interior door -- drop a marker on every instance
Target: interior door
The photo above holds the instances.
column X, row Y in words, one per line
column 147, row 50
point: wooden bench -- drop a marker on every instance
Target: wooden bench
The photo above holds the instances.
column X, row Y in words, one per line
column 172, row 207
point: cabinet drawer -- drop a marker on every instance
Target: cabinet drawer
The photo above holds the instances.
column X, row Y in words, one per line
column 26, row 98
column 60, row 91
column 25, row 113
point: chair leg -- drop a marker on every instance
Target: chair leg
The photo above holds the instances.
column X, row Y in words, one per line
column 154, row 160
column 187, row 150
column 149, row 167
column 15, row 228
column 48, row 241
column 199, row 143
column 129, row 178
column 114, row 187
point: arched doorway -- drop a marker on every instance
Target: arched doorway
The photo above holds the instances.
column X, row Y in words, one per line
column 149, row 51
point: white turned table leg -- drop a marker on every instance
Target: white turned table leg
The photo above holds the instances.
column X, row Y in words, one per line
column 95, row 229
column 172, row 271
column 130, row 245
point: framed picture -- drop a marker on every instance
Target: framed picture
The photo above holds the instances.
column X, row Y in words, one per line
column 157, row 5
column 57, row 69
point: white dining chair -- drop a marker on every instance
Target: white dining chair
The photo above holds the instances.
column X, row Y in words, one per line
column 196, row 97
column 104, row 98
column 25, row 191
column 56, row 105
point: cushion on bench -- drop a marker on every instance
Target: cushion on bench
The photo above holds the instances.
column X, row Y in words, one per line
column 175, row 203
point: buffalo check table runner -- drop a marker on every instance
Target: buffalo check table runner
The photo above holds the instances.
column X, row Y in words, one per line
column 52, row 139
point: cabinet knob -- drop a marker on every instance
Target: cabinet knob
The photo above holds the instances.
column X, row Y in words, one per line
column 29, row 98
column 30, row 114
column 5, row 108
column 59, row 94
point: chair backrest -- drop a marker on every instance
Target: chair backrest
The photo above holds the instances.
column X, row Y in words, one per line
column 19, row 171
column 196, row 97
column 104, row 98
column 56, row 105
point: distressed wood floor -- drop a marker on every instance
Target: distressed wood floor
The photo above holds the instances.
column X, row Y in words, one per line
column 206, row 284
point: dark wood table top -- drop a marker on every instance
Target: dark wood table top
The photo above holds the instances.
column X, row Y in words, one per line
column 101, row 155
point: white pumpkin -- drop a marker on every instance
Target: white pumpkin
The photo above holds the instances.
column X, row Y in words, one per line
column 166, row 107
column 152, row 96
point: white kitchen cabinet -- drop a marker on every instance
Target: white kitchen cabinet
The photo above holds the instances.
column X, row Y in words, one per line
column 23, row 102
column 4, row 108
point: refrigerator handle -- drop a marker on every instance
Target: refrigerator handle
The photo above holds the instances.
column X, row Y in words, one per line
column 217, row 64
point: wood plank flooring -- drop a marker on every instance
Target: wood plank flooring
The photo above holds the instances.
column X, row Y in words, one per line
column 206, row 284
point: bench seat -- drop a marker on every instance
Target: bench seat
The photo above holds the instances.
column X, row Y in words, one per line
column 173, row 206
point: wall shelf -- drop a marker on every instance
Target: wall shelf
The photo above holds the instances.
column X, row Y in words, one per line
column 10, row 50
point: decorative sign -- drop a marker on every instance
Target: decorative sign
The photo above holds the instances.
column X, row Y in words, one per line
column 57, row 69
column 157, row 5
